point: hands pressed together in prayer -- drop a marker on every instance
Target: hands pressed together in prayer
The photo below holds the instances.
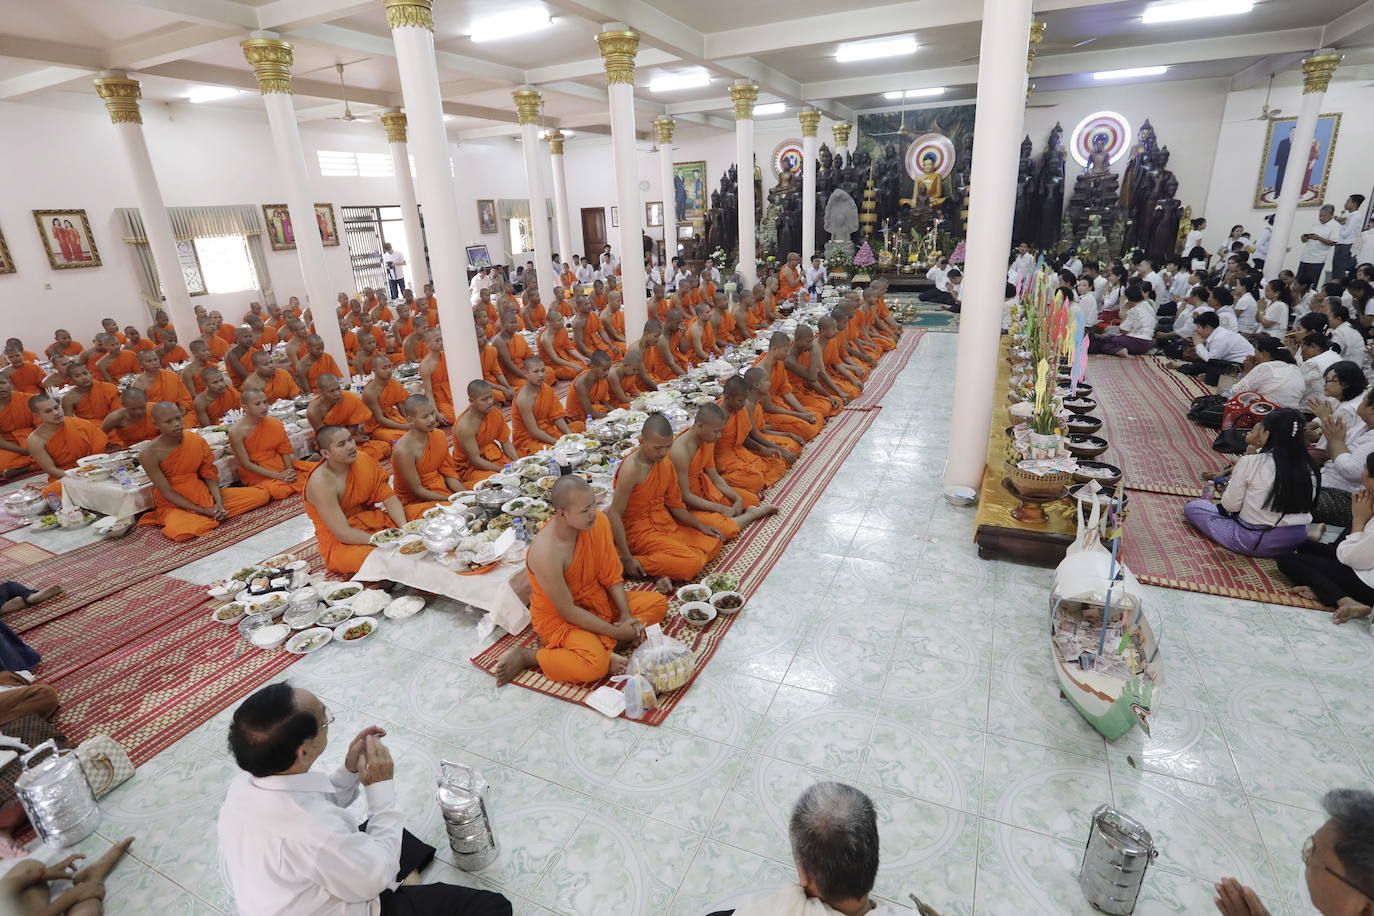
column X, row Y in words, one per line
column 368, row 757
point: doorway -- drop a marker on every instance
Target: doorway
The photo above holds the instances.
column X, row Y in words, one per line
column 593, row 231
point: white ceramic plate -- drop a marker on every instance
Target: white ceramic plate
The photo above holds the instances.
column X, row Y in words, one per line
column 344, row 627
column 405, row 606
column 307, row 641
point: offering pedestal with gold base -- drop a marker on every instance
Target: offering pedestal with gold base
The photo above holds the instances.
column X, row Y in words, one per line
column 1031, row 511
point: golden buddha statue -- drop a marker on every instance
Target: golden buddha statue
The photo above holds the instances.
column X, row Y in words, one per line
column 928, row 182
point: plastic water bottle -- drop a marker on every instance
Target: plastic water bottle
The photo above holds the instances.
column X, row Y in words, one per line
column 54, row 502
column 521, row 534
column 122, row 478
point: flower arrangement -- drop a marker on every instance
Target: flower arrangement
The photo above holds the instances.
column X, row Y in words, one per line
column 957, row 256
column 839, row 262
column 864, row 258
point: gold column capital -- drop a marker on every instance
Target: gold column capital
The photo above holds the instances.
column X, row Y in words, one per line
column 664, row 128
column 1037, row 35
column 271, row 59
column 417, row 14
column 121, row 97
column 744, row 95
column 395, row 124
column 528, row 103
column 841, row 132
column 1318, row 69
column 618, row 49
column 810, row 120
column 555, row 138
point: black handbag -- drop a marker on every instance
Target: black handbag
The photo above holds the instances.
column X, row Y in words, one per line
column 1207, row 410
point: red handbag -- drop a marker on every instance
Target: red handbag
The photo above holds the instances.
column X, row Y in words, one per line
column 1245, row 410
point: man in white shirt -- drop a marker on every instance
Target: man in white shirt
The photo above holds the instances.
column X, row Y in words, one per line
column 1260, row 249
column 1220, row 351
column 711, row 272
column 676, row 275
column 393, row 261
column 1093, row 274
column 1342, row 261
column 816, row 275
column 480, row 281
column 608, row 263
column 1022, row 265
column 586, row 273
column 1318, row 242
column 1154, row 284
column 287, row 840
column 653, row 276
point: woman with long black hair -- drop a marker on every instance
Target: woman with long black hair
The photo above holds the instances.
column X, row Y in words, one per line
column 1267, row 504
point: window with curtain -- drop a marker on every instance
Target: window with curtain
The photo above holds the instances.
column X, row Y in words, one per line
column 217, row 265
column 521, row 235
column 219, row 250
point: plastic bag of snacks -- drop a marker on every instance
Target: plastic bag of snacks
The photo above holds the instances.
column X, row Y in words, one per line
column 665, row 661
column 639, row 694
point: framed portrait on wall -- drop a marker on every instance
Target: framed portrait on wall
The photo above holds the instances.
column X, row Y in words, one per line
column 478, row 257
column 615, row 217
column 1313, row 162
column 689, row 190
column 329, row 231
column 6, row 262
column 486, row 216
column 653, row 213
column 66, row 236
column 684, row 230
column 1368, row 216
column 280, row 233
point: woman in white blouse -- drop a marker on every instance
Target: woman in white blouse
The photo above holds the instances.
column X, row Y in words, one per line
column 1275, row 306
column 1136, row 333
column 1345, row 334
column 1273, row 375
column 1340, row 576
column 1267, row 504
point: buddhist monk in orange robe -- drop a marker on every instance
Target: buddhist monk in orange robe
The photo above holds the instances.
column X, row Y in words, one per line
column 336, row 407
column 25, row 377
column 340, row 495
column 788, row 445
column 536, row 416
column 58, row 441
column 481, row 438
column 703, row 489
column 62, row 343
column 790, row 278
column 314, row 364
column 276, row 384
column 16, row 424
column 590, row 393
column 842, row 373
column 263, row 450
column 187, row 500
column 556, row 349
column 423, row 472
column 511, row 351
column 90, row 399
column 434, row 374
column 216, row 400
column 161, row 384
column 748, row 462
column 115, row 361
column 810, row 382
column 131, row 423
column 784, row 410
column 664, row 362
column 491, row 370
column 578, row 603
column 383, row 397
column 654, row 531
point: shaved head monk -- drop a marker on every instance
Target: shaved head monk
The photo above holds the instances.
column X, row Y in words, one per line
column 641, row 354
column 578, row 603
column 314, row 364
column 90, row 399
column 218, row 398
column 383, row 397
column 434, row 375
column 16, row 425
column 201, row 359
column 263, row 449
column 811, row 384
column 789, row 445
column 747, row 460
column 336, row 407
column 24, row 375
column 423, row 473
column 706, row 493
column 481, row 439
column 654, row 531
column 511, row 349
column 784, row 410
column 590, row 393
column 131, row 423
column 556, row 349
column 169, row 350
column 187, row 500
column 62, row 343
column 835, row 360
column 161, row 384
column 58, row 441
column 536, row 416
column 340, row 497
column 275, row 383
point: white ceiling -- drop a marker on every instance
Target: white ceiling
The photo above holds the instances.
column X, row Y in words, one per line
column 174, row 45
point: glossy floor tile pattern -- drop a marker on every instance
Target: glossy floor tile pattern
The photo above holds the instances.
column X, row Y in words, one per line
column 881, row 652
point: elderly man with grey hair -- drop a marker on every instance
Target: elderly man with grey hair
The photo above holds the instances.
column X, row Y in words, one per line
column 834, row 833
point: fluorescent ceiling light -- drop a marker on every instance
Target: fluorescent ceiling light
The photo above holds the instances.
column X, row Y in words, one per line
column 210, row 93
column 915, row 93
column 769, row 108
column 875, row 47
column 1128, row 73
column 510, row 24
column 1194, row 9
column 672, row 82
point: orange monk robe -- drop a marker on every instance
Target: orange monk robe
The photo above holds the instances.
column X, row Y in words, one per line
column 170, row 387
column 491, row 372
column 490, row 435
column 282, row 386
column 567, row 279
column 27, row 379
column 702, row 486
column 663, row 306
column 385, row 314
column 226, row 333
column 230, row 400
column 745, row 471
column 350, row 342
column 565, row 309
column 134, row 433
column 266, row 340
column 325, row 364
column 351, row 411
column 779, row 385
column 16, row 423
column 761, row 420
column 443, row 391
column 563, row 347
column 617, row 324
column 571, row 654
column 708, row 337
column 404, row 329
column 77, row 438
column 817, row 404
column 365, row 486
column 728, row 332
column 124, row 363
column 599, row 302
column 269, row 447
column 218, row 347
column 392, row 395
column 682, row 345
column 546, row 412
column 187, row 468
column 519, row 351
column 71, row 349
column 143, row 344
column 99, row 402
column 785, row 287
column 832, row 356
column 656, row 540
column 591, row 334
column 599, row 394
column 434, row 464
column 541, row 318
column 880, row 337
column 851, row 334
column 656, row 366
column 177, row 354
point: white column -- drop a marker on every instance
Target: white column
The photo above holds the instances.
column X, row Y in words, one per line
column 528, row 103
column 745, row 94
column 121, row 96
column 664, row 128
column 1316, row 76
column 560, row 195
column 271, row 59
column 416, row 270
column 997, row 125
column 618, row 47
column 412, row 31
column 810, row 120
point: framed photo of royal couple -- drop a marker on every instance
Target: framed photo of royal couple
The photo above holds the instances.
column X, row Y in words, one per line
column 66, row 236
column 1314, row 162
column 282, row 235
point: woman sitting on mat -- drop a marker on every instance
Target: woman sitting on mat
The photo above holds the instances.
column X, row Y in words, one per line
column 1343, row 389
column 1273, row 375
column 1340, row 575
column 1136, row 333
column 1267, row 505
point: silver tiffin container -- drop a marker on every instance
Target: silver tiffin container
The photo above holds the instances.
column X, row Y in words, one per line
column 1118, row 851
column 463, row 805
column 56, row 796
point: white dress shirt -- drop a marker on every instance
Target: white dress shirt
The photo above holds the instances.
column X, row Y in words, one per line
column 1140, row 322
column 475, row 287
column 1281, row 384
column 585, row 272
column 1343, row 471
column 936, row 276
column 1252, row 480
column 1357, row 552
column 1074, row 266
column 1111, row 299
column 1277, row 312
column 1246, row 310
column 1180, row 287
column 1262, row 243
column 1022, row 266
column 1183, row 321
column 394, row 261
column 1314, row 252
column 1314, row 371
column 1304, row 305
column 676, row 279
column 1351, row 343
column 816, row 276
column 1227, row 316
column 1350, row 229
column 292, row 848
column 1099, row 286
column 1225, row 345
column 1194, row 240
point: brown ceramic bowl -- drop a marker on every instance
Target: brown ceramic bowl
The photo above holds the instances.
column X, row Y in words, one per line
column 1080, row 404
column 1082, row 424
column 1086, row 446
column 1108, row 475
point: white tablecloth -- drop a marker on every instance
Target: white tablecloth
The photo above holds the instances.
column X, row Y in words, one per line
column 504, row 593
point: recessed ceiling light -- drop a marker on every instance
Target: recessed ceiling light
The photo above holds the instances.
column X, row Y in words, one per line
column 1181, row 10
column 210, row 93
column 769, row 108
column 1129, row 72
column 672, row 82
column 874, row 48
column 510, row 24
column 915, row 93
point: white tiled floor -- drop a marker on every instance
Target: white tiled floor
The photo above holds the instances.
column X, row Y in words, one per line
column 883, row 652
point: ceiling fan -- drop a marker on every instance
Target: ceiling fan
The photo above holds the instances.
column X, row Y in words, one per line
column 348, row 114
column 1266, row 113
column 1046, row 46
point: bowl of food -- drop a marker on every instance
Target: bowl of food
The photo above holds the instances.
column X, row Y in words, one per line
column 414, row 525
column 464, row 499
column 1083, row 389
column 338, row 592
column 404, row 606
column 411, row 546
column 273, row 603
column 727, row 603
column 229, row 613
column 1085, row 446
column 694, row 592
column 546, row 483
column 301, row 616
column 1103, row 498
column 26, row 503
column 1079, row 404
column 307, row 641
column 1108, row 475
column 281, row 561
column 94, row 472
column 386, row 538
column 334, row 615
column 270, row 636
column 721, row 582
column 1083, row 424
column 522, row 506
column 355, row 630
column 697, row 613
column 368, row 602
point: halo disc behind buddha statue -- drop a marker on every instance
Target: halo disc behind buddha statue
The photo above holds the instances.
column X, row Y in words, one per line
column 1113, row 126
column 932, row 144
column 787, row 157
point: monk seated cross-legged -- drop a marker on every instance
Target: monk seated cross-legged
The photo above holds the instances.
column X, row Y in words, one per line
column 315, row 364
column 16, row 424
column 218, row 398
column 590, row 393
column 810, row 382
column 58, row 441
column 161, row 384
column 481, row 438
column 423, row 472
column 748, row 462
column 131, row 423
column 276, row 384
column 578, row 603
column 90, row 398
column 336, row 407
column 187, row 499
column 263, row 450
column 536, row 416
column 654, row 531
column 561, row 358
column 704, row 490
column 434, row 375
column 341, row 495
column 784, row 410
column 383, row 397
